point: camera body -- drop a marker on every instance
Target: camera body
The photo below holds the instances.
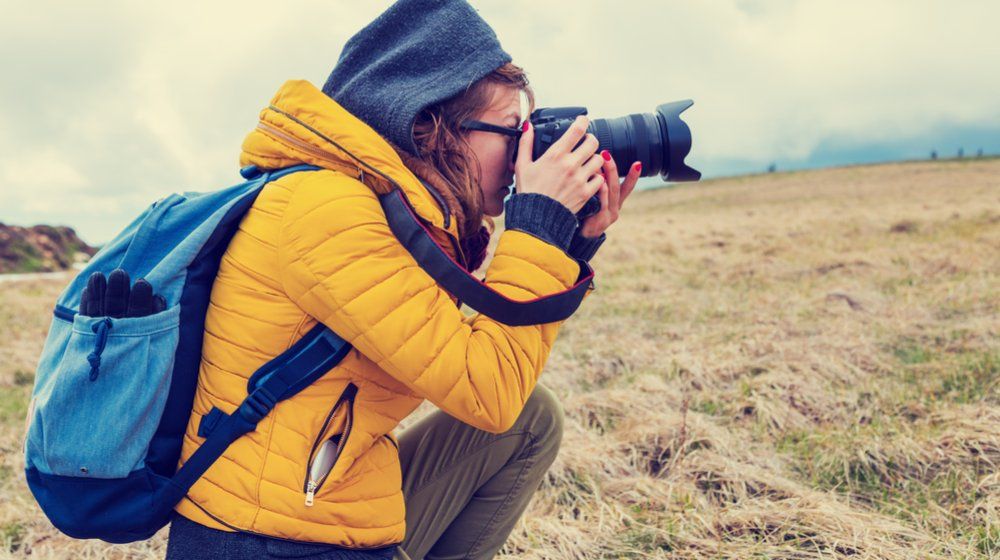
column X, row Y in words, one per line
column 660, row 140
column 550, row 123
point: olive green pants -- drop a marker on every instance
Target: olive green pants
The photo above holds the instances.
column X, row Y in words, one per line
column 465, row 488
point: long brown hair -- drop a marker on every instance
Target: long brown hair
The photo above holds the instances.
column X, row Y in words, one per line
column 445, row 146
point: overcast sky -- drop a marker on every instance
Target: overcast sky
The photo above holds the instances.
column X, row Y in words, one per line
column 109, row 106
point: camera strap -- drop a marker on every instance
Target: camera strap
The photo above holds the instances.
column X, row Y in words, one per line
column 433, row 259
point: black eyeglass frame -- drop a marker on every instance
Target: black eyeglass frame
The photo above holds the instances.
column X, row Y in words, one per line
column 487, row 127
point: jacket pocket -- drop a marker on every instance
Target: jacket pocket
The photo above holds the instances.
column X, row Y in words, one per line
column 327, row 450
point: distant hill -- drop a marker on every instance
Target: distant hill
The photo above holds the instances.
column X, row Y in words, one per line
column 40, row 248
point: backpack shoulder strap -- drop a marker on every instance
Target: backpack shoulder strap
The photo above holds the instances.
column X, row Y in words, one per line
column 281, row 378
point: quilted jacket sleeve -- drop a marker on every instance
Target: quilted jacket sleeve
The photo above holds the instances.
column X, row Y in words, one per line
column 341, row 264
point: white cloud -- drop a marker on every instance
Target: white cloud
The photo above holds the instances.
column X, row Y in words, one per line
column 40, row 174
column 119, row 103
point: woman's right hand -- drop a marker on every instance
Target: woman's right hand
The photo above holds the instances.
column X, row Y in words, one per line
column 567, row 175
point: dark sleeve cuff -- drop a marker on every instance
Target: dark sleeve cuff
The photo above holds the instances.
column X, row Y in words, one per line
column 585, row 247
column 542, row 216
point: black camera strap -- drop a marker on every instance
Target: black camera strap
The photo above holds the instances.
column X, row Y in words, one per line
column 431, row 257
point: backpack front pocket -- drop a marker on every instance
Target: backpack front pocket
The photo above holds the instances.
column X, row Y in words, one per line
column 101, row 393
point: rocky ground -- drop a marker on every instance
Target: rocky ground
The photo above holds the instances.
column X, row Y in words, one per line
column 40, row 249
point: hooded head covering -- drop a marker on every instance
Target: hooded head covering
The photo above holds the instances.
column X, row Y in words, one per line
column 417, row 53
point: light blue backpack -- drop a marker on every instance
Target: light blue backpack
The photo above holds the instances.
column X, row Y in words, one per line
column 113, row 396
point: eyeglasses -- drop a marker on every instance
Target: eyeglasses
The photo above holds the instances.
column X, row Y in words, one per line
column 487, row 127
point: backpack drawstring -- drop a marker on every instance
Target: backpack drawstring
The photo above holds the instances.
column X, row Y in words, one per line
column 94, row 358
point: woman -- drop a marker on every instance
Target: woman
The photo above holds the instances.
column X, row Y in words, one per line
column 323, row 476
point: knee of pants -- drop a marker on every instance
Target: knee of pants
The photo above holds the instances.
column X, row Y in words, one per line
column 543, row 418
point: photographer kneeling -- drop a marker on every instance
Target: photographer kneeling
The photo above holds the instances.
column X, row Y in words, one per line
column 423, row 102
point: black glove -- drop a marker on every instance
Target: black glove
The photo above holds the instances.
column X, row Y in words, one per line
column 114, row 298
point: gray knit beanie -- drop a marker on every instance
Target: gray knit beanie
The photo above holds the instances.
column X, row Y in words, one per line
column 417, row 53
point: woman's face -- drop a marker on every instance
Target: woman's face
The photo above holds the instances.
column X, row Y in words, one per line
column 494, row 150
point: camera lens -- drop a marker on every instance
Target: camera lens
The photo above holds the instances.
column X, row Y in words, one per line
column 660, row 140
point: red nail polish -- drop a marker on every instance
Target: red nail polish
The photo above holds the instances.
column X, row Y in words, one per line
column 524, row 127
column 638, row 166
column 606, row 155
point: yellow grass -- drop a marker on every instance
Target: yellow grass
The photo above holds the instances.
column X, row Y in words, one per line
column 799, row 365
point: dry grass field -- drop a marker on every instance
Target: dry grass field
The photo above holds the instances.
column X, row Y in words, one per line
column 797, row 365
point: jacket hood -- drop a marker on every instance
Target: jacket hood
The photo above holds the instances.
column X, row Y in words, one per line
column 415, row 54
column 303, row 125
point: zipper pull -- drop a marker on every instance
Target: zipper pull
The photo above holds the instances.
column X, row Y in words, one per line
column 310, row 493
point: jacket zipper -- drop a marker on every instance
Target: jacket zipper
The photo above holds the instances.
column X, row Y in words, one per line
column 311, row 486
column 439, row 199
column 303, row 146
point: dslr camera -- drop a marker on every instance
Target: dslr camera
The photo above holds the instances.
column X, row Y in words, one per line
column 660, row 140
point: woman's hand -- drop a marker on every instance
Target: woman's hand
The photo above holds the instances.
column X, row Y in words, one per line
column 567, row 175
column 612, row 195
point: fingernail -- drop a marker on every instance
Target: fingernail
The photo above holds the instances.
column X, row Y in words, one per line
column 606, row 155
column 638, row 166
column 524, row 127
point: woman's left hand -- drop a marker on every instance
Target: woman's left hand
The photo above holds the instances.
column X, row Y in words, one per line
column 612, row 195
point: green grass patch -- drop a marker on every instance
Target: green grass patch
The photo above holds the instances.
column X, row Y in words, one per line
column 964, row 377
column 838, row 460
column 14, row 403
column 866, row 465
column 648, row 532
column 975, row 377
column 910, row 353
column 12, row 536
column 988, row 540
column 709, row 407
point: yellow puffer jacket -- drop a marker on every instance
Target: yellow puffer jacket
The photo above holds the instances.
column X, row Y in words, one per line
column 316, row 247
